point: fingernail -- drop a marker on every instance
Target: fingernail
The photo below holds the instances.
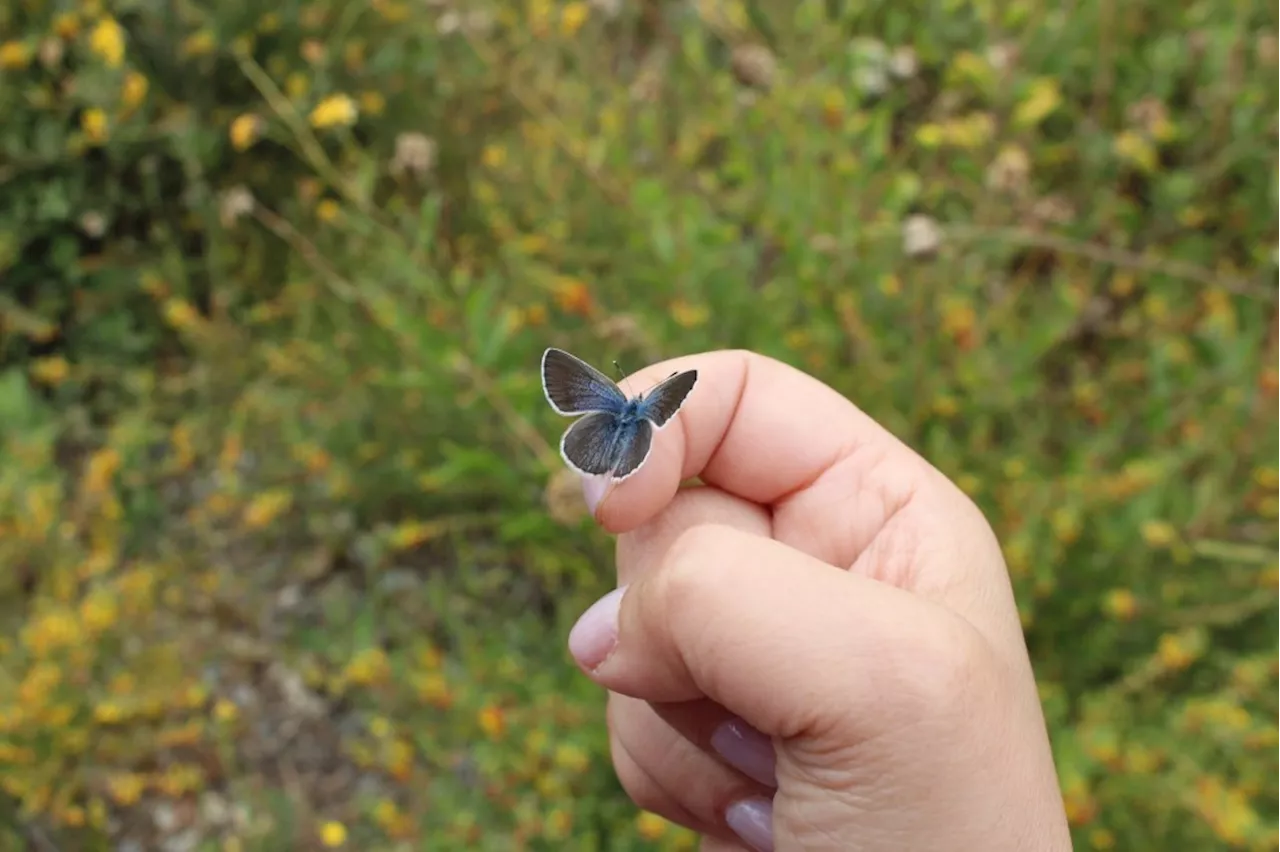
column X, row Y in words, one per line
column 592, row 639
column 752, row 821
column 593, row 491
column 746, row 750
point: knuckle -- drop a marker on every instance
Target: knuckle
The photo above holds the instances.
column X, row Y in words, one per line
column 686, row 573
column 949, row 666
column 693, row 545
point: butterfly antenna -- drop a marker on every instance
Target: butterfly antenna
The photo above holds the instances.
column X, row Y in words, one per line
column 622, row 377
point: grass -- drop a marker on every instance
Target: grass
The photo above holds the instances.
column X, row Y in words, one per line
column 289, row 556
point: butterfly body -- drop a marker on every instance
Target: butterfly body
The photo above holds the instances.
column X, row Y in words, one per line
column 616, row 433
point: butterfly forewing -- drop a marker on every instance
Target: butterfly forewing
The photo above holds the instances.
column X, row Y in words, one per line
column 573, row 386
column 662, row 403
column 590, row 444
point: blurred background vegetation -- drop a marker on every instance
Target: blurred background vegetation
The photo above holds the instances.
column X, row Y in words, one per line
column 287, row 557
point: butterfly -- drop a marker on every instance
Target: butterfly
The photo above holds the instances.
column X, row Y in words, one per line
column 615, row 435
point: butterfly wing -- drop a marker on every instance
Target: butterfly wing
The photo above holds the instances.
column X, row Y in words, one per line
column 633, row 447
column 601, row 443
column 588, row 446
column 662, row 403
column 575, row 387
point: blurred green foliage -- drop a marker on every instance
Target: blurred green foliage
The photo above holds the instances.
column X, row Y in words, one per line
column 287, row 554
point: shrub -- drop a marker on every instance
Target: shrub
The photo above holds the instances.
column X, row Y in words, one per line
column 289, row 554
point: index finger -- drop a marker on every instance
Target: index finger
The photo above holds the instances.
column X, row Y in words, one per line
column 768, row 433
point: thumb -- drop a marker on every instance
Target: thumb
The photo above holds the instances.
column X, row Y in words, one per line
column 790, row 644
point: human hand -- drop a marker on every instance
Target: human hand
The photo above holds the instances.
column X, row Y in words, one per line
column 818, row 648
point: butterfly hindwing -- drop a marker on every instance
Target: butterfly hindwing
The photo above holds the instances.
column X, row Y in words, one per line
column 633, row 448
column 574, row 387
column 662, row 403
column 589, row 444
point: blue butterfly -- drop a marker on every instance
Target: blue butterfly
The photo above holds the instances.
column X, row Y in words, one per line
column 617, row 432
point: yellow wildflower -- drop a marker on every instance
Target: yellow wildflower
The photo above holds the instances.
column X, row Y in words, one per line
column 558, row 823
column 834, row 107
column 573, row 296
column 413, row 533
column 199, row 44
column 1159, row 533
column 573, row 17
column 296, row 85
column 393, row 13
column 492, row 721
column 1044, row 97
column 958, row 320
column 53, row 630
column 399, row 759
column 372, row 103
column 651, row 826
column 572, row 758
column 51, row 371
column 16, row 755
column 14, row 55
column 890, row 285
column 66, row 25
column 1177, row 651
column 1080, row 805
column 1066, row 525
column 72, row 815
column 946, row 406
column 334, row 111
column 433, row 689
column 333, row 834
column 1121, row 603
column 929, row 135
column 180, row 779
column 353, row 54
column 99, row 610
column 107, row 40
column 108, row 713
column 101, row 469
column 689, row 314
column 368, row 666
column 538, row 15
column 970, row 68
column 125, row 788
column 180, row 313
column 94, row 124
column 134, row 89
column 40, row 681
column 328, row 210
column 1134, row 149
column 245, row 130
column 380, row 727
column 970, row 131
column 266, row 507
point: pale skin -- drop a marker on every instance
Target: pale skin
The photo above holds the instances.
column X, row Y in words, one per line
column 819, row 648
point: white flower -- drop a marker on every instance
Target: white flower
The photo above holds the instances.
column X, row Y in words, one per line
column 920, row 235
column 903, row 63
